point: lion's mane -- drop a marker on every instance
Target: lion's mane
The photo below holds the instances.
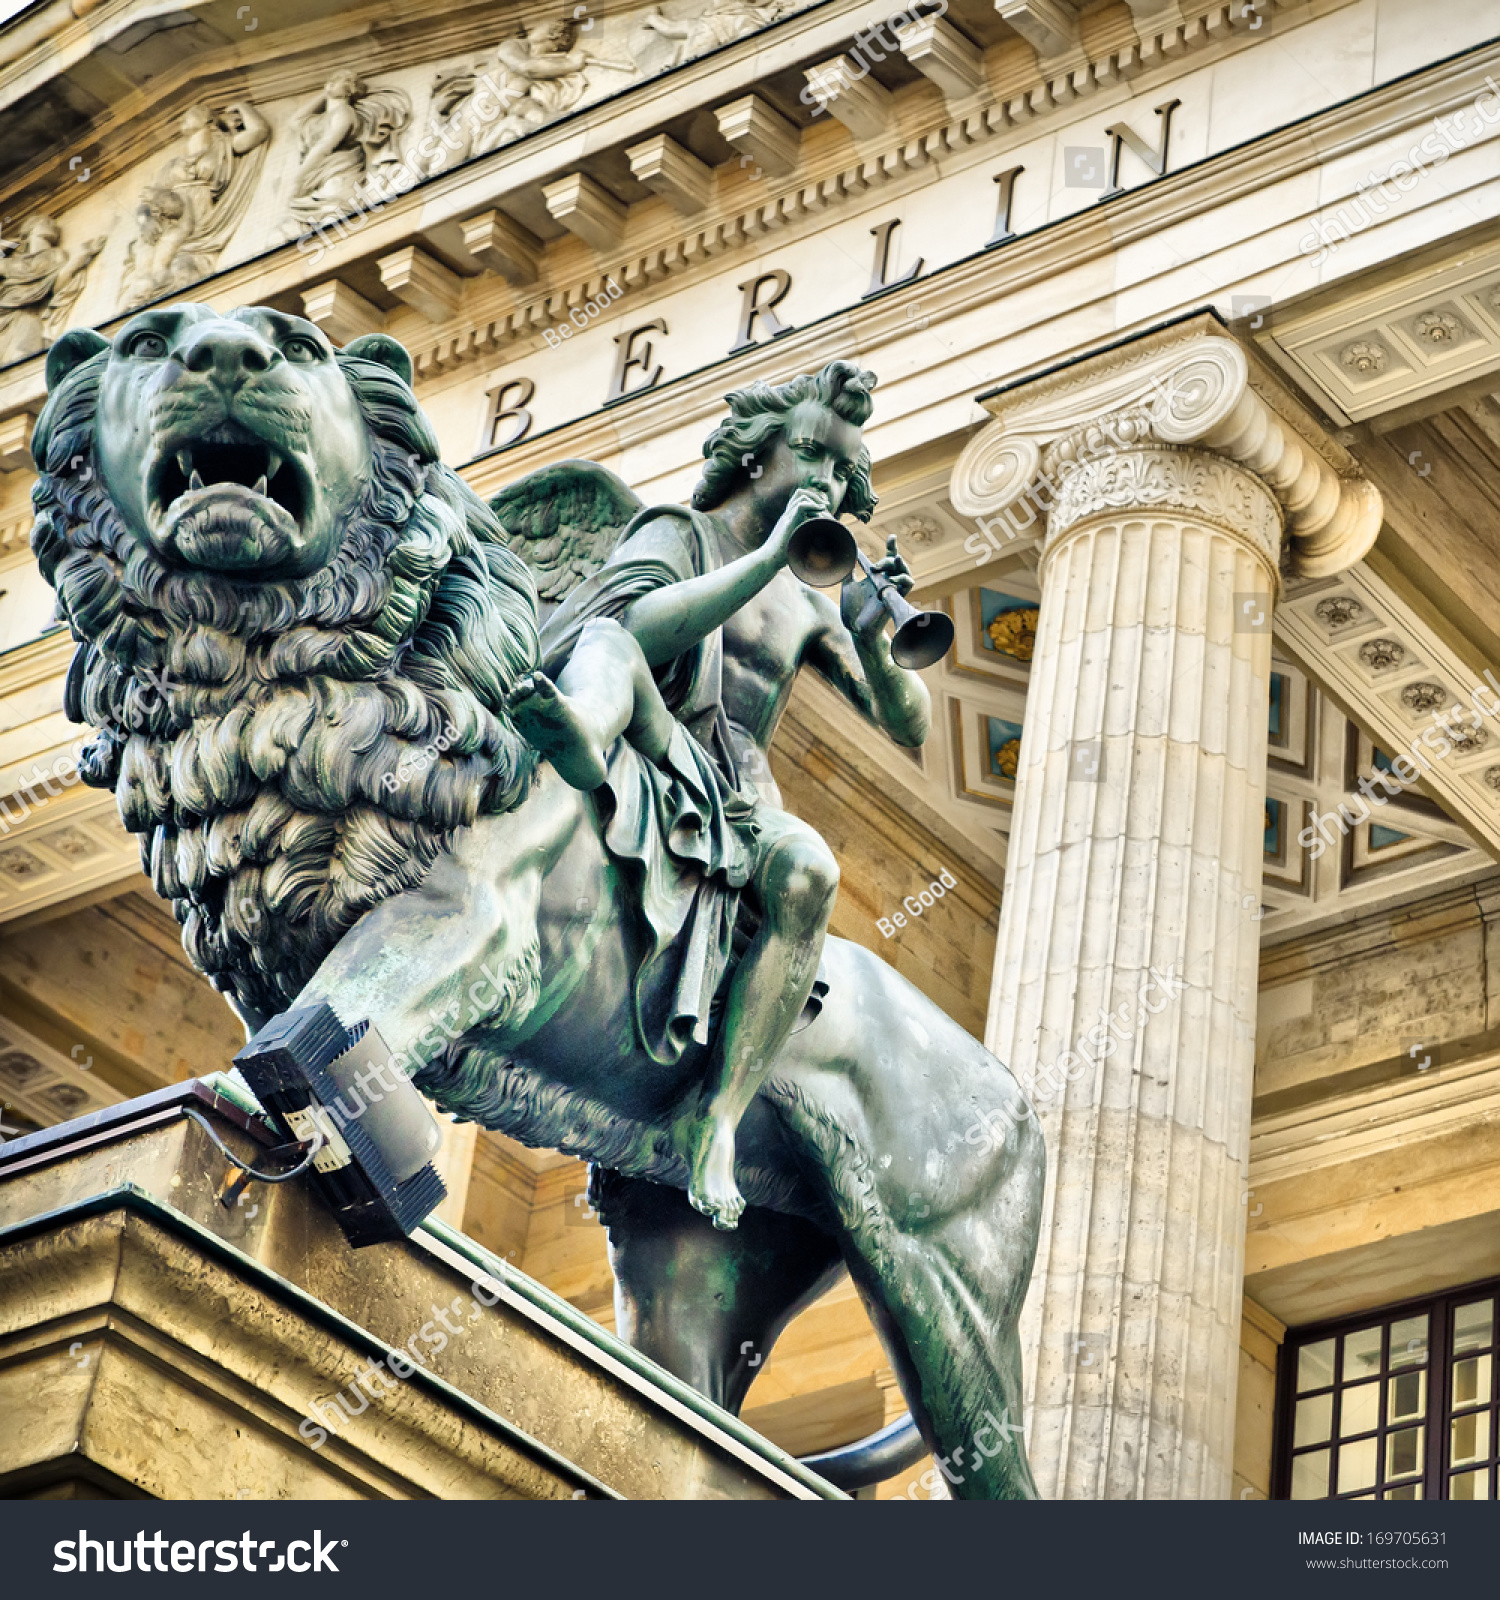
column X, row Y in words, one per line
column 293, row 751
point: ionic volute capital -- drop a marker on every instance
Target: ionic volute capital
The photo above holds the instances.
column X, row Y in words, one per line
column 1168, row 399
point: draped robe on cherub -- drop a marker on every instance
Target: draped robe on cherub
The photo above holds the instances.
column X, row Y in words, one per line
column 688, row 830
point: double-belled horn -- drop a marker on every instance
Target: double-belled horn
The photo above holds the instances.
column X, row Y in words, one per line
column 921, row 637
column 822, row 552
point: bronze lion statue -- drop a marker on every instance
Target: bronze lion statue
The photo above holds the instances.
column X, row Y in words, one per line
column 297, row 631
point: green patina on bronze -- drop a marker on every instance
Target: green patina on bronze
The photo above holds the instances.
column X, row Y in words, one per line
column 307, row 647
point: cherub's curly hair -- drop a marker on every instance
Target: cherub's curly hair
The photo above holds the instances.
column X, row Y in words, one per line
column 759, row 413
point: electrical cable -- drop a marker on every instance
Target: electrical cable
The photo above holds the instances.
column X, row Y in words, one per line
column 260, row 1177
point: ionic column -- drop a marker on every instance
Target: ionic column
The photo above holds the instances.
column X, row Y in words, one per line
column 1124, row 990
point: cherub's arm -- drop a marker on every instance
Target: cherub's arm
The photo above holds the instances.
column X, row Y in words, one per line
column 672, row 619
column 558, row 64
column 256, row 129
column 859, row 664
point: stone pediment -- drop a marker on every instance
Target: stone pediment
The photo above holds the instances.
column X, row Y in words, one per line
column 174, row 147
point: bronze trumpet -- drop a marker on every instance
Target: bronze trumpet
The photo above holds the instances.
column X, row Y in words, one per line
column 921, row 637
column 822, row 552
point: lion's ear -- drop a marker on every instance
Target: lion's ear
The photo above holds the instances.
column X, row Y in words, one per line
column 384, row 349
column 72, row 350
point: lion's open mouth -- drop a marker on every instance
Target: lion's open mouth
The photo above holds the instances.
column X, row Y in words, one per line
column 228, row 498
column 230, row 454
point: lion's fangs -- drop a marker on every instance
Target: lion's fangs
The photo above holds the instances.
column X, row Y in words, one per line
column 225, row 464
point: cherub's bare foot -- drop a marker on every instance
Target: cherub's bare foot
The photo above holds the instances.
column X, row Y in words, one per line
column 548, row 719
column 708, row 1144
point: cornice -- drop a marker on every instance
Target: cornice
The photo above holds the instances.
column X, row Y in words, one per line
column 38, row 661
column 604, row 125
column 1365, row 933
column 917, row 148
column 1375, row 1120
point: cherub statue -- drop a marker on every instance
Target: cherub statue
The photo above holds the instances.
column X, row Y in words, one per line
column 694, row 616
column 187, row 215
column 347, row 137
column 39, row 283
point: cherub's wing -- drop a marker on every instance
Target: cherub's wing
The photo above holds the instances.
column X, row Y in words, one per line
column 564, row 521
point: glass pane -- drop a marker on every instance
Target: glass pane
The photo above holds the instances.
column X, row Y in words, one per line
column 1407, row 1491
column 1403, row 1452
column 1472, row 1325
column 1314, row 1420
column 1471, row 1381
column 1310, row 1476
column 1361, row 1354
column 1315, row 1366
column 1361, row 1409
column 1356, row 1466
column 1407, row 1398
column 1409, row 1342
column 1470, row 1485
column 1471, row 1439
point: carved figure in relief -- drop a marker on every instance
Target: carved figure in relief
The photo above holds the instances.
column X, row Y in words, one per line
column 542, row 75
column 718, row 24
column 455, row 115
column 537, row 76
column 281, row 596
column 199, row 198
column 348, row 142
column 39, row 283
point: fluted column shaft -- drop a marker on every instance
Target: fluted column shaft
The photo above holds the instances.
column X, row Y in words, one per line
column 1132, row 885
column 1172, row 469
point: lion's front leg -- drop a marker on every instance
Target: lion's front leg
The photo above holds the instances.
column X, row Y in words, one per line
column 461, row 951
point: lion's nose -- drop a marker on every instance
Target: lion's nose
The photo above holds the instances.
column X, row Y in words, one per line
column 227, row 352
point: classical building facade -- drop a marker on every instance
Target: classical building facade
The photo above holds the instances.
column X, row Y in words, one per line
column 1187, row 323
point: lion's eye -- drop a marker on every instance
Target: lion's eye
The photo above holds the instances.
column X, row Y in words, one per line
column 301, row 350
column 148, row 346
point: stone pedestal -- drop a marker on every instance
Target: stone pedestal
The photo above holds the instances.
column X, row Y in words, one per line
column 154, row 1343
column 1124, row 993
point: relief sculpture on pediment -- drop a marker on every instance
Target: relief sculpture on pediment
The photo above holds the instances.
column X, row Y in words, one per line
column 188, row 213
column 667, row 41
column 537, row 76
column 39, row 282
column 349, row 148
